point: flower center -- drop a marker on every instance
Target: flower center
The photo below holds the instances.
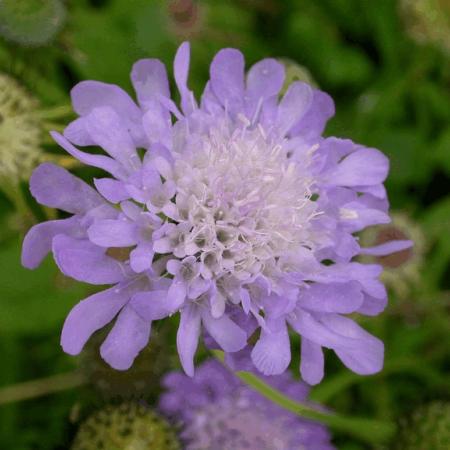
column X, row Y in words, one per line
column 237, row 423
column 248, row 202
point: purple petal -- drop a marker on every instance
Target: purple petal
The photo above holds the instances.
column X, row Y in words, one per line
column 374, row 287
column 128, row 337
column 187, row 337
column 310, row 328
column 312, row 124
column 264, row 79
column 38, row 241
column 377, row 190
column 149, row 78
column 272, row 353
column 154, row 305
column 217, row 302
column 112, row 190
column 86, row 262
column 387, row 248
column 311, row 362
column 227, row 78
column 293, row 105
column 367, row 356
column 100, row 161
column 76, row 133
column 181, row 72
column 91, row 315
column 225, row 332
column 113, row 233
column 342, row 272
column 141, row 257
column 88, row 95
column 373, row 306
column 364, row 167
column 177, row 291
column 109, row 132
column 356, row 216
column 55, row 187
column 333, row 297
column 346, row 245
column 157, row 124
column 209, row 102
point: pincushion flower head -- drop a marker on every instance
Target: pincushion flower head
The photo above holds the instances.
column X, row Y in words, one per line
column 234, row 213
column 215, row 411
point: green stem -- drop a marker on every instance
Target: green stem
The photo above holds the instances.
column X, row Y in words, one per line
column 368, row 430
column 57, row 112
column 39, row 388
column 327, row 390
column 53, row 126
column 15, row 194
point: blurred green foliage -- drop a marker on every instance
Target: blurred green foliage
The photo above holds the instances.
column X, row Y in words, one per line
column 391, row 93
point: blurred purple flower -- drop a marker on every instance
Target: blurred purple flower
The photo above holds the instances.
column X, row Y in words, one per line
column 216, row 411
column 239, row 215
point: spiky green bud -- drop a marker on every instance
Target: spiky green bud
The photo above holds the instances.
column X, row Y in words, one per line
column 129, row 426
column 20, row 132
column 427, row 21
column 428, row 428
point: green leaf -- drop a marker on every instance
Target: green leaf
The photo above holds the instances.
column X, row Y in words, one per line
column 443, row 150
column 33, row 301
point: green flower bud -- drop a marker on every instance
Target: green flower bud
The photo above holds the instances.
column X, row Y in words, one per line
column 428, row 428
column 20, row 132
column 427, row 21
column 31, row 22
column 295, row 72
column 129, row 426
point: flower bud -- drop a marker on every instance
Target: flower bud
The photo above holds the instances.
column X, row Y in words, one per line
column 427, row 21
column 31, row 22
column 129, row 426
column 20, row 132
column 428, row 428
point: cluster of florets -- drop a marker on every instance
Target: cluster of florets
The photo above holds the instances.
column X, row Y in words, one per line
column 215, row 411
column 234, row 213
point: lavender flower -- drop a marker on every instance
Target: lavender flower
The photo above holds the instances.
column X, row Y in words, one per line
column 216, row 411
column 239, row 216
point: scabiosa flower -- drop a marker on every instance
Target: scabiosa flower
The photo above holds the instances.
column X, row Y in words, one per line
column 239, row 216
column 215, row 411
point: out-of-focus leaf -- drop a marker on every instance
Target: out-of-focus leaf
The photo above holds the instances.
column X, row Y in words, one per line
column 317, row 43
column 442, row 150
column 105, row 40
column 33, row 301
column 436, row 220
column 410, row 157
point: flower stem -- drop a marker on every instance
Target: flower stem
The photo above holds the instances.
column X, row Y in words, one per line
column 57, row 112
column 39, row 388
column 329, row 389
column 368, row 430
